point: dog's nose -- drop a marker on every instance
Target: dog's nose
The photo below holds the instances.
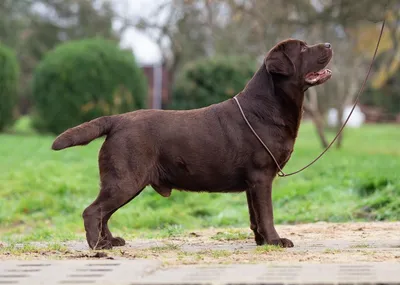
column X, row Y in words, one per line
column 327, row 45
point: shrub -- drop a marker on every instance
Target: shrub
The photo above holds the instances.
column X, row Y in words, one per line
column 8, row 86
column 81, row 80
column 208, row 81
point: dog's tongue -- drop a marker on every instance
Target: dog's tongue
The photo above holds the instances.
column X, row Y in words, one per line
column 314, row 77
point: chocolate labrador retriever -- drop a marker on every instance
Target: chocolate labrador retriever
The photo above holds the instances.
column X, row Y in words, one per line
column 209, row 149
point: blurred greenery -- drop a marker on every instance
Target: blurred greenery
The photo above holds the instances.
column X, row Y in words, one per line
column 9, row 71
column 208, row 81
column 81, row 80
column 34, row 27
column 43, row 192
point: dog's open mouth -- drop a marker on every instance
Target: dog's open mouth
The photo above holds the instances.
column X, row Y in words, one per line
column 315, row 78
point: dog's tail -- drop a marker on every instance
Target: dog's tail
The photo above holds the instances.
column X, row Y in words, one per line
column 84, row 133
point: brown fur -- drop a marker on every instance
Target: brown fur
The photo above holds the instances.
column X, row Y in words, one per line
column 209, row 149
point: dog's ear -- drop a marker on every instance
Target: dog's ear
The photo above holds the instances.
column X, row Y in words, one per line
column 278, row 62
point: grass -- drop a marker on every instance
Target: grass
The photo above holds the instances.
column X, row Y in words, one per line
column 332, row 251
column 220, row 253
column 43, row 192
column 268, row 248
column 163, row 248
column 361, row 245
column 230, row 235
column 21, row 249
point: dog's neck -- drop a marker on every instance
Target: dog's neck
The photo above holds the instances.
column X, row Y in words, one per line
column 265, row 90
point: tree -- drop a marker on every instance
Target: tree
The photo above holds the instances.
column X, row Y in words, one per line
column 82, row 80
column 181, row 36
column 350, row 63
column 211, row 80
column 33, row 27
column 343, row 21
column 193, row 29
column 13, row 19
column 8, row 86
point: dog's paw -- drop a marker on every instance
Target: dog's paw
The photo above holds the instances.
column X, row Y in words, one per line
column 98, row 245
column 117, row 241
column 259, row 239
column 282, row 242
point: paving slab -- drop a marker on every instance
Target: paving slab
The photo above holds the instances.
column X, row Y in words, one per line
column 141, row 272
column 372, row 273
column 75, row 271
column 353, row 253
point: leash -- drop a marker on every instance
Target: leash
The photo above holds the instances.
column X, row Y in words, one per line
column 280, row 172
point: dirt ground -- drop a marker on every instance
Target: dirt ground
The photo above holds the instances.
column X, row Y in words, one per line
column 314, row 243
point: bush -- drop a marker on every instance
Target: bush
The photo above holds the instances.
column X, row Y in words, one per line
column 208, row 81
column 81, row 80
column 8, row 86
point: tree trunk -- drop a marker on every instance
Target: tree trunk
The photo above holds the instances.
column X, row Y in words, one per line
column 319, row 125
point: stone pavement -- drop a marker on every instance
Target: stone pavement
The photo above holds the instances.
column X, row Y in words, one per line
column 320, row 246
column 135, row 272
column 352, row 253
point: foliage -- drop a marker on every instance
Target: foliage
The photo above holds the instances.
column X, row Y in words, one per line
column 34, row 27
column 388, row 59
column 206, row 28
column 8, row 85
column 13, row 20
column 211, row 80
column 386, row 96
column 359, row 182
column 249, row 27
column 82, row 80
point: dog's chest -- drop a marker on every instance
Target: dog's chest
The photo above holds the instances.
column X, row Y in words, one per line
column 279, row 153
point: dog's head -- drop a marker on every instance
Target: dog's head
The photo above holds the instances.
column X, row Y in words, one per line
column 300, row 63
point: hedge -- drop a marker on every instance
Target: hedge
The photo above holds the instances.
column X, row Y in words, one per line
column 81, row 80
column 211, row 80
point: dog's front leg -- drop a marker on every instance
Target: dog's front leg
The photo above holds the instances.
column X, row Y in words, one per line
column 261, row 196
column 253, row 220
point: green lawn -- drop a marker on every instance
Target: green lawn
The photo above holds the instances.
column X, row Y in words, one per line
column 43, row 193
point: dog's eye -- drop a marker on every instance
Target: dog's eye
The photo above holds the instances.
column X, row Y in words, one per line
column 303, row 48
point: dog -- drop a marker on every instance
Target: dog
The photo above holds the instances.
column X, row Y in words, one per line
column 209, row 149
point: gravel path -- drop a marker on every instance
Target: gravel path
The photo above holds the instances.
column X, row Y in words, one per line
column 314, row 243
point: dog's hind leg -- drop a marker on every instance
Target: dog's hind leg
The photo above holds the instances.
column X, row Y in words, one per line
column 121, row 181
column 115, row 241
column 96, row 216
